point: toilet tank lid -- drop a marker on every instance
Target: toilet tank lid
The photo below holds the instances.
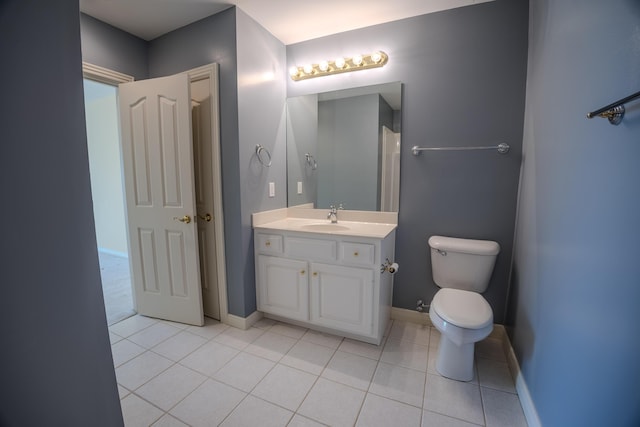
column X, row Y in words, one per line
column 466, row 246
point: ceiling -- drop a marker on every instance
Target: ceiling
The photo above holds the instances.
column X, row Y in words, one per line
column 291, row 21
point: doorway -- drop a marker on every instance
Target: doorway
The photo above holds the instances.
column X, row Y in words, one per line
column 206, row 150
column 105, row 167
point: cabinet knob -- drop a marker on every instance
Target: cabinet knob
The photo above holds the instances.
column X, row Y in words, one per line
column 267, row 243
column 302, row 272
column 355, row 254
column 315, row 273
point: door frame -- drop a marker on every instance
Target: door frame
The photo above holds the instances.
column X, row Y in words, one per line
column 210, row 71
column 105, row 75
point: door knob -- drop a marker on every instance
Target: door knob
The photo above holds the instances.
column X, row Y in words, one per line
column 206, row 217
column 186, row 219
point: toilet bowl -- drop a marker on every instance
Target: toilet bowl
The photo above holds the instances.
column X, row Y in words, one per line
column 462, row 269
column 463, row 318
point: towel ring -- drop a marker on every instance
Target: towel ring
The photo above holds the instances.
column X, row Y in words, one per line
column 311, row 161
column 259, row 150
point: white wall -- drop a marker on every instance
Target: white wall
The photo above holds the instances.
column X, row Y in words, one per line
column 105, row 168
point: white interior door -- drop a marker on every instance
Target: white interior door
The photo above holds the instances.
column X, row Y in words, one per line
column 155, row 119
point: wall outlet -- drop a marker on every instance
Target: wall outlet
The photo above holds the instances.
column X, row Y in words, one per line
column 299, row 187
column 272, row 189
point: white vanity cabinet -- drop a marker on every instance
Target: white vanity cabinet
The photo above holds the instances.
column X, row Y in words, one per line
column 328, row 282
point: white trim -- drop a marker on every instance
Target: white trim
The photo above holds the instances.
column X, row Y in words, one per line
column 243, row 322
column 526, row 401
column 211, row 72
column 104, row 75
column 114, row 253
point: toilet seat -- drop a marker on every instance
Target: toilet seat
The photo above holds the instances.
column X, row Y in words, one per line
column 464, row 309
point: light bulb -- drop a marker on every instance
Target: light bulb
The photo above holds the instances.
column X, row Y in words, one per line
column 357, row 60
column 324, row 65
column 308, row 69
column 293, row 71
column 340, row 63
column 376, row 57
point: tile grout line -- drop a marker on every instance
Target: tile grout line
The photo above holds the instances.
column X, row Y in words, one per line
column 334, row 349
column 208, row 340
column 206, row 377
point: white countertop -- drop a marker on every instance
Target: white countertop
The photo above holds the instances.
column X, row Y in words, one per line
column 374, row 224
column 341, row 228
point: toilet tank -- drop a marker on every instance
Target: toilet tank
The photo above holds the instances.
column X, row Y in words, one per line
column 462, row 263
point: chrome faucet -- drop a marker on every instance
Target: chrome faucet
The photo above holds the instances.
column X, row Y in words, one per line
column 333, row 214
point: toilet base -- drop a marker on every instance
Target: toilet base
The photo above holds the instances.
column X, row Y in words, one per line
column 455, row 361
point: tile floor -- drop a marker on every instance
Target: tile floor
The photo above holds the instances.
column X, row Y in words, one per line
column 276, row 374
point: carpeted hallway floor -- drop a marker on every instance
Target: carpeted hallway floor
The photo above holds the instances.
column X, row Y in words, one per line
column 116, row 287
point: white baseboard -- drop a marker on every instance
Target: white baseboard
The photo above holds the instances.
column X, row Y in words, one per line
column 243, row 322
column 413, row 316
column 528, row 407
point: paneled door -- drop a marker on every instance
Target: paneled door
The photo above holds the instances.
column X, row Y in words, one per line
column 155, row 120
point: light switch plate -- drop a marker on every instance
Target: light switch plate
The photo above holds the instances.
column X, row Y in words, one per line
column 272, row 189
column 299, row 187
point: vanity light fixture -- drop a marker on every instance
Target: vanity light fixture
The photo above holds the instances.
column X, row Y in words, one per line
column 340, row 65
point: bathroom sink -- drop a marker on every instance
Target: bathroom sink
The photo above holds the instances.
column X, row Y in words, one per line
column 324, row 227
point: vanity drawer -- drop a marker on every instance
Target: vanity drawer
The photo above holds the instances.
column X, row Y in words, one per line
column 357, row 253
column 270, row 243
column 314, row 249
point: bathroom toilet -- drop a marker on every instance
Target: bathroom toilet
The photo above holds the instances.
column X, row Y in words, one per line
column 462, row 269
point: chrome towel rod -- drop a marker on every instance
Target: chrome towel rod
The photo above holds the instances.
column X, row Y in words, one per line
column 614, row 111
column 503, row 148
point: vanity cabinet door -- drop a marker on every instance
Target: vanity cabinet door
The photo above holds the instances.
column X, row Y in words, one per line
column 283, row 287
column 342, row 298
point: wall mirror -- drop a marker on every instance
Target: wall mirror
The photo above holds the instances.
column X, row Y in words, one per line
column 343, row 148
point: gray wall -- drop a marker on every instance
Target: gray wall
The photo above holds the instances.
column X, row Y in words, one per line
column 112, row 48
column 261, row 120
column 55, row 362
column 348, row 151
column 464, row 73
column 252, row 98
column 252, row 112
column 575, row 290
column 302, row 138
column 213, row 39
